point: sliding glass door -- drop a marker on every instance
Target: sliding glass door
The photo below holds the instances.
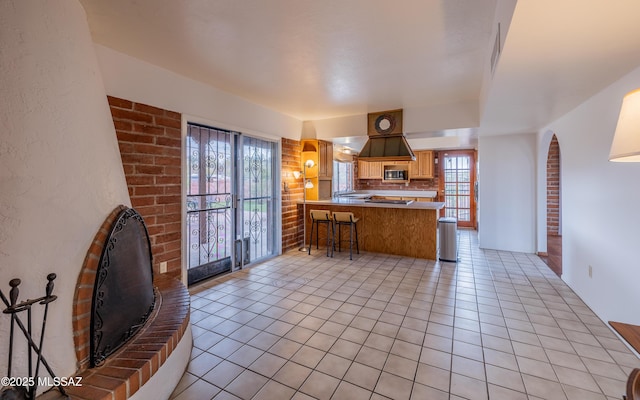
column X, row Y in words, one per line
column 230, row 201
column 257, row 191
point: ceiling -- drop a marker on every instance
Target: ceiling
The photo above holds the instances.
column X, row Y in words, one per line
column 315, row 60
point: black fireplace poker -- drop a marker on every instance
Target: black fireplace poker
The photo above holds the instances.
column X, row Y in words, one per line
column 14, row 308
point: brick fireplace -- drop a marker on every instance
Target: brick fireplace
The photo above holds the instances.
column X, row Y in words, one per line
column 128, row 369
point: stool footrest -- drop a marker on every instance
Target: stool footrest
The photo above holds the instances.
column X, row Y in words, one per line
column 346, row 219
column 322, row 217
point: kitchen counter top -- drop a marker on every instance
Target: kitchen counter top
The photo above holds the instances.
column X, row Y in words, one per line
column 346, row 201
column 390, row 193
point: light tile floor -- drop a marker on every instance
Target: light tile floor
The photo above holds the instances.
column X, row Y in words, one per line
column 498, row 325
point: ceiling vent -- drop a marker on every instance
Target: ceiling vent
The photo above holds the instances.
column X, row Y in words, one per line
column 495, row 53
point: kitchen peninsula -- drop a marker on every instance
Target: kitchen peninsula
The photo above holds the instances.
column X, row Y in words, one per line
column 400, row 227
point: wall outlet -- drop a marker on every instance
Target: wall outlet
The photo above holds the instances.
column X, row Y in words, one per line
column 163, row 268
column 590, row 271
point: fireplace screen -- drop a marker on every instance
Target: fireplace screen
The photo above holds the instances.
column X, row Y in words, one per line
column 123, row 295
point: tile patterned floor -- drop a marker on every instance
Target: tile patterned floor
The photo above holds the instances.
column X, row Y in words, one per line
column 498, row 325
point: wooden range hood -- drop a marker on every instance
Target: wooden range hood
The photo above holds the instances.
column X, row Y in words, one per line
column 386, row 141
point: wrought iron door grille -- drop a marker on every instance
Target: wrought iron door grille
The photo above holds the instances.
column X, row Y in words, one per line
column 230, row 199
column 209, row 201
column 257, row 191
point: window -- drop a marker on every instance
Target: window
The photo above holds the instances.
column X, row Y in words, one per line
column 342, row 177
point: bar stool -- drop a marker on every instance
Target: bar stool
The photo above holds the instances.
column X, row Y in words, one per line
column 321, row 217
column 347, row 218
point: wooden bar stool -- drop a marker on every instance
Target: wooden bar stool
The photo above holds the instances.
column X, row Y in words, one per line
column 322, row 217
column 346, row 218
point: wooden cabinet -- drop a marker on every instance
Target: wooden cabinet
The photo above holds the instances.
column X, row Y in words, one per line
column 320, row 175
column 321, row 153
column 363, row 169
column 404, row 163
column 325, row 164
column 369, row 170
column 422, row 167
column 375, row 170
column 412, row 198
column 419, row 199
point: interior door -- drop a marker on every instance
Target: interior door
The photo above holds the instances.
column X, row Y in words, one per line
column 457, row 186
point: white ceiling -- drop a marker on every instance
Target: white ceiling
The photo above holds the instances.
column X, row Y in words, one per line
column 324, row 59
column 557, row 54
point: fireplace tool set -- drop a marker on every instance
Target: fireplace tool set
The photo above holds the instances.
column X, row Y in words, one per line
column 25, row 387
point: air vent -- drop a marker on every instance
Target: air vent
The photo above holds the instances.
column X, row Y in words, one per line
column 495, row 53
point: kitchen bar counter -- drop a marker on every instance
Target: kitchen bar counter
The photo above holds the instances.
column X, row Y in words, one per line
column 401, row 229
column 339, row 201
column 403, row 193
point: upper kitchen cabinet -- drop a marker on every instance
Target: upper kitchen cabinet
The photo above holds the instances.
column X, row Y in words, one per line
column 422, row 167
column 321, row 153
column 325, row 166
column 369, row 170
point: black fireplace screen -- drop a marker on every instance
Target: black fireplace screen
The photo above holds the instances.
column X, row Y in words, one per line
column 123, row 295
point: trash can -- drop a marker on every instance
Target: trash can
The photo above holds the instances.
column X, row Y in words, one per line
column 448, row 231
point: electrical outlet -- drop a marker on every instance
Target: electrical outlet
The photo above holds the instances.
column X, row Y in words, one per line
column 163, row 267
column 590, row 271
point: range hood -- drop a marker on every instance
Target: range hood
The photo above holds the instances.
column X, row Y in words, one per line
column 386, row 141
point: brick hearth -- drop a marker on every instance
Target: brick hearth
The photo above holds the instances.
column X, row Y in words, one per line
column 128, row 369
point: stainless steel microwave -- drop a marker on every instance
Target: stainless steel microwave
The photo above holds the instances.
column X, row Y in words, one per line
column 395, row 175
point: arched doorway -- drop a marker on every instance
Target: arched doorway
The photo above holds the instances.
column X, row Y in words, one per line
column 554, row 202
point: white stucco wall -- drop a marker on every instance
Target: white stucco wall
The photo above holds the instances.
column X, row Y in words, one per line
column 60, row 167
column 600, row 214
column 136, row 80
column 507, row 192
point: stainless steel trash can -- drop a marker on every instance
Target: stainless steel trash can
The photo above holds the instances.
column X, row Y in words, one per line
column 448, row 231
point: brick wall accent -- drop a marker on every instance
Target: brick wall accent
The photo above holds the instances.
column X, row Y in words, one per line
column 150, row 146
column 378, row 184
column 150, row 141
column 553, row 187
column 292, row 193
